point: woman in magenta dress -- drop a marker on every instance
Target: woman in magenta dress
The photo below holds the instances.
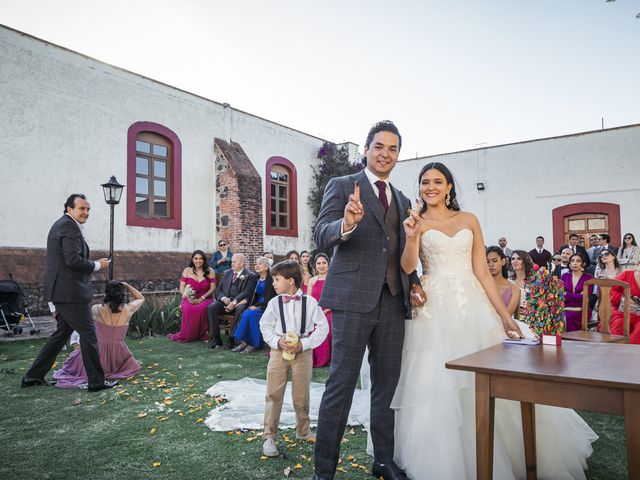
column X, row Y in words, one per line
column 322, row 353
column 573, row 287
column 632, row 277
column 197, row 284
column 112, row 322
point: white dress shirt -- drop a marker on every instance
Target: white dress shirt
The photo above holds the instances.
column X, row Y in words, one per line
column 316, row 326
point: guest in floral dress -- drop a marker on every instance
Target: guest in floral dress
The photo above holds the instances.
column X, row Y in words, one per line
column 322, row 353
column 196, row 287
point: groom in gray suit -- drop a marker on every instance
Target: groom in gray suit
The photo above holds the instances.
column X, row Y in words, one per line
column 361, row 219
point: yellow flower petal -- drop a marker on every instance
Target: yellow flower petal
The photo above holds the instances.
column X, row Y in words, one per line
column 142, row 414
column 297, row 466
column 153, row 430
column 156, row 464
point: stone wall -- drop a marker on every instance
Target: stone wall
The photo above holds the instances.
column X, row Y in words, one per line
column 238, row 200
column 147, row 271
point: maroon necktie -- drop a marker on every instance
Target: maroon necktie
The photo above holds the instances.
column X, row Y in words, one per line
column 235, row 276
column 288, row 298
column 382, row 194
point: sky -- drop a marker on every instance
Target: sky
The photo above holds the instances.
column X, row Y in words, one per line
column 453, row 75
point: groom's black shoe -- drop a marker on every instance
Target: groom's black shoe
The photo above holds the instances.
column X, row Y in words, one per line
column 32, row 382
column 388, row 471
column 102, row 386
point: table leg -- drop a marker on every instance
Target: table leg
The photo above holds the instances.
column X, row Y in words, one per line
column 484, row 426
column 528, row 413
column 632, row 426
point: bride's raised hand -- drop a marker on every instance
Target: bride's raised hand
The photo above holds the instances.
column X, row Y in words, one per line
column 412, row 224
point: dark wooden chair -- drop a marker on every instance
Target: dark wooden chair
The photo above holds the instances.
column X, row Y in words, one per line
column 604, row 314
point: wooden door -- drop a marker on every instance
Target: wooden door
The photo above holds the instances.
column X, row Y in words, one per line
column 585, row 225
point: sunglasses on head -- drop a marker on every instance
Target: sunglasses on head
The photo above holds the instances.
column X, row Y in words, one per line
column 605, row 254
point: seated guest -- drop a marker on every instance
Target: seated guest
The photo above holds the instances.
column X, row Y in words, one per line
column 540, row 255
column 196, row 287
column 322, row 353
column 629, row 253
column 221, row 259
column 574, row 240
column 573, row 287
column 632, row 277
column 237, row 284
column 563, row 267
column 607, row 267
column 248, row 329
column 112, row 322
column 522, row 266
column 509, row 291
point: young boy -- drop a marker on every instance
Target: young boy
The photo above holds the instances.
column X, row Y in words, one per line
column 290, row 311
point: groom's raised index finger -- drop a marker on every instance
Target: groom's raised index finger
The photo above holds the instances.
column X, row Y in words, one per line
column 356, row 191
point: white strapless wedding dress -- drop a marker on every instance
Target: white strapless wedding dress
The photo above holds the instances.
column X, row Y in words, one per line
column 435, row 409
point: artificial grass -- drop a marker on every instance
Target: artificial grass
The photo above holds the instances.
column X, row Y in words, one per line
column 156, row 419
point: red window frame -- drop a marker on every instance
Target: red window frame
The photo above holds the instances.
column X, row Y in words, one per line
column 292, row 231
column 174, row 187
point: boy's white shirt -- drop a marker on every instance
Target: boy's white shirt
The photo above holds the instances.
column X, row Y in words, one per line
column 271, row 327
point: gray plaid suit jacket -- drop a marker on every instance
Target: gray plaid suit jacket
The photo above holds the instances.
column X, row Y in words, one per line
column 357, row 269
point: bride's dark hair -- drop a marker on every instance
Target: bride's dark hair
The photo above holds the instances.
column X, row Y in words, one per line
column 453, row 202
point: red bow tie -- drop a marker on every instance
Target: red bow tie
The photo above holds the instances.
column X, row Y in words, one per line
column 288, row 298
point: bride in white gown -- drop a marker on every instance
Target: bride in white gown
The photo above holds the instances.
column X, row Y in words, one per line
column 464, row 313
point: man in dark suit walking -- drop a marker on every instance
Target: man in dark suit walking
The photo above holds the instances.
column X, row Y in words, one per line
column 361, row 219
column 237, row 284
column 68, row 290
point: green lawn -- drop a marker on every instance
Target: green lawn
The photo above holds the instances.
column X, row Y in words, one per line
column 49, row 433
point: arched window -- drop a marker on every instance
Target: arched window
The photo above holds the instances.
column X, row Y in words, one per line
column 281, row 196
column 154, row 187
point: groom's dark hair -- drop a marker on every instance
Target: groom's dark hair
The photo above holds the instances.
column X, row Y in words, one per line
column 383, row 126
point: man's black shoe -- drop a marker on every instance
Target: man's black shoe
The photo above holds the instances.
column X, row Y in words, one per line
column 388, row 471
column 32, row 382
column 102, row 386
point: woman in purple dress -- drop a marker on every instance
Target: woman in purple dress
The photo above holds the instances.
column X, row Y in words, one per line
column 197, row 284
column 322, row 353
column 573, row 287
column 112, row 322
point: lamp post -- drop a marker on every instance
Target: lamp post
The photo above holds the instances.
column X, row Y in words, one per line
column 112, row 192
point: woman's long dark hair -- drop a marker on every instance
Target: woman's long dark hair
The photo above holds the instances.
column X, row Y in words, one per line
column 312, row 270
column 527, row 262
column 624, row 245
column 453, row 202
column 206, row 269
column 601, row 263
column 114, row 295
column 498, row 251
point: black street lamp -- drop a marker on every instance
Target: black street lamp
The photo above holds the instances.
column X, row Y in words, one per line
column 112, row 193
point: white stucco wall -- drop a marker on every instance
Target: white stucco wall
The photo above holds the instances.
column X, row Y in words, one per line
column 63, row 129
column 525, row 181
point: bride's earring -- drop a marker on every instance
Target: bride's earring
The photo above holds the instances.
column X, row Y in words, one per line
column 447, row 200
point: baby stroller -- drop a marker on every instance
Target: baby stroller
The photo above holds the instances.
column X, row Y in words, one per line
column 13, row 308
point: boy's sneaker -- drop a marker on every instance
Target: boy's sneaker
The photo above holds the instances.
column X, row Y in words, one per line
column 309, row 436
column 269, row 448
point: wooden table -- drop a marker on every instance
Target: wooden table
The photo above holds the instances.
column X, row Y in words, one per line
column 601, row 378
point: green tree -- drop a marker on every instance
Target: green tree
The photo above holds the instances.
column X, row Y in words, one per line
column 334, row 162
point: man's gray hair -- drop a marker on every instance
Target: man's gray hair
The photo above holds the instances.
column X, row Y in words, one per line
column 241, row 255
